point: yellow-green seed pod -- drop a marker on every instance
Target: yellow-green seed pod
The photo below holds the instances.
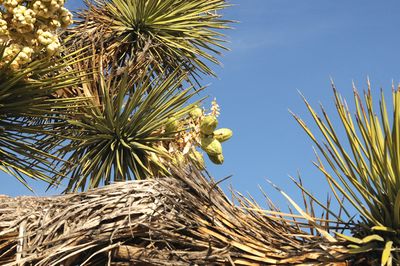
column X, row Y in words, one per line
column 171, row 125
column 208, row 124
column 197, row 157
column 217, row 159
column 211, row 146
column 222, row 134
column 196, row 113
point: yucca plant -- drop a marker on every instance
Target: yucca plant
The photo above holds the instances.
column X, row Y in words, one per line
column 365, row 171
column 162, row 36
column 135, row 122
column 121, row 138
column 135, row 47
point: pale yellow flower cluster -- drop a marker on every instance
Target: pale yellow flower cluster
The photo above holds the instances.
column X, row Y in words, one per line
column 29, row 28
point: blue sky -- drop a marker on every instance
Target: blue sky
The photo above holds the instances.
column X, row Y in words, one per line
column 280, row 47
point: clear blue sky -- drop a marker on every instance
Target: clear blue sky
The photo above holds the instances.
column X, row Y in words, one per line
column 280, row 47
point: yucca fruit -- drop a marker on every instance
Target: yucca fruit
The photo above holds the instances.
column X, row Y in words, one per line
column 172, row 125
column 222, row 134
column 208, row 125
column 217, row 159
column 211, row 146
column 196, row 113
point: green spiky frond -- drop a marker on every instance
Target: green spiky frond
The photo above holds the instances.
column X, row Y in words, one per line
column 120, row 138
column 162, row 35
column 365, row 170
column 31, row 91
column 28, row 113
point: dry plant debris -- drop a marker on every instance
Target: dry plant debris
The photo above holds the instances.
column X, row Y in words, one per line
column 185, row 219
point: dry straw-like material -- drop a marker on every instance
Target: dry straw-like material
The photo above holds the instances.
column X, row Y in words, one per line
column 181, row 220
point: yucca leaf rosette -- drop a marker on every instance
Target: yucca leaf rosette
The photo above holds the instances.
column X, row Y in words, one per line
column 122, row 137
column 160, row 35
column 364, row 171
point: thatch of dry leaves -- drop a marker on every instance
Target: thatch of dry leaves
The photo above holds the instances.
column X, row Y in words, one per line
column 185, row 219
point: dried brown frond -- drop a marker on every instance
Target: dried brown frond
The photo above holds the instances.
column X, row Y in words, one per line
column 182, row 220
